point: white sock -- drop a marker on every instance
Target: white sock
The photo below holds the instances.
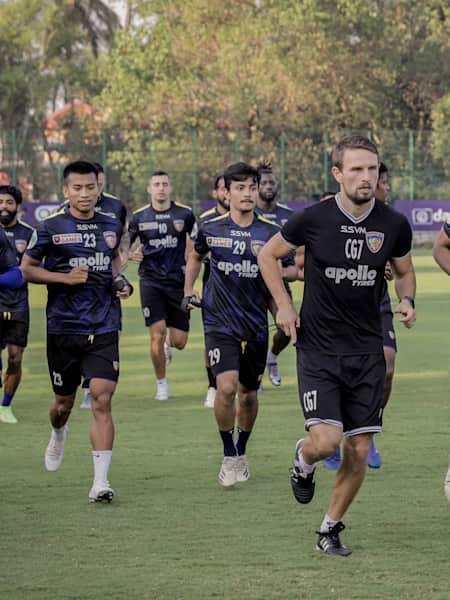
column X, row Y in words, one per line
column 271, row 357
column 304, row 467
column 161, row 381
column 59, row 432
column 102, row 460
column 327, row 523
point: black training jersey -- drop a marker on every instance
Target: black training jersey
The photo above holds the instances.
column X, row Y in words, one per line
column 235, row 297
column 344, row 273
column 66, row 242
column 280, row 214
column 8, row 257
column 18, row 236
column 163, row 235
column 109, row 204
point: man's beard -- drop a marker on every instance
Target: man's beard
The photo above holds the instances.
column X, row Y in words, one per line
column 269, row 200
column 358, row 200
column 6, row 219
column 223, row 204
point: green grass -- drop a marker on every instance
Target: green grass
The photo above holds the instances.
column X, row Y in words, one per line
column 173, row 533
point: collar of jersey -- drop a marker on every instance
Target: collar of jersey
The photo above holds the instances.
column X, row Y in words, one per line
column 349, row 215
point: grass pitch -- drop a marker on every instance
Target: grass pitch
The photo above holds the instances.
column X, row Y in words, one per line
column 172, row 532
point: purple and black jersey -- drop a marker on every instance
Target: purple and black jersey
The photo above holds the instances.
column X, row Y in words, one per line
column 163, row 236
column 16, row 300
column 235, row 297
column 66, row 242
column 344, row 273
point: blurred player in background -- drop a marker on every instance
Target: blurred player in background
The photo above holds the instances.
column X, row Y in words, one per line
column 80, row 247
column 441, row 253
column 341, row 368
column 14, row 307
column 222, row 206
column 268, row 207
column 234, row 308
column 163, row 228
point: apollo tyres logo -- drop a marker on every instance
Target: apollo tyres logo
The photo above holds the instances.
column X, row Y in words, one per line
column 362, row 276
column 97, row 262
column 244, row 268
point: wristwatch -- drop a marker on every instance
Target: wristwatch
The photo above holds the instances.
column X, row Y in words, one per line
column 410, row 300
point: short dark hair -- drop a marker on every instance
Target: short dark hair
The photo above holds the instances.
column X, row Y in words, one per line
column 99, row 167
column 382, row 169
column 240, row 172
column 81, row 167
column 13, row 191
column 159, row 174
column 351, row 142
column 217, row 180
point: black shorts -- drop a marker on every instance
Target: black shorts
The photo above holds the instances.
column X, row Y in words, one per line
column 346, row 391
column 14, row 328
column 387, row 322
column 160, row 304
column 226, row 353
column 71, row 357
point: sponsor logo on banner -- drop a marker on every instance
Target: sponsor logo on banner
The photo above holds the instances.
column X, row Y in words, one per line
column 20, row 245
column 67, row 238
column 256, row 246
column 374, row 241
column 179, row 225
column 110, row 238
column 148, row 226
column 219, row 242
column 422, row 216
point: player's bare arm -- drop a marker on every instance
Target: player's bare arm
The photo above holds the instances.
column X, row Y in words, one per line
column 275, row 249
column 441, row 251
column 193, row 266
column 405, row 287
column 135, row 254
column 33, row 273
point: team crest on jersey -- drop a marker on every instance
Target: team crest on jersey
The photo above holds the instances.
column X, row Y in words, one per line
column 179, row 225
column 67, row 238
column 110, row 238
column 256, row 246
column 20, row 245
column 374, row 241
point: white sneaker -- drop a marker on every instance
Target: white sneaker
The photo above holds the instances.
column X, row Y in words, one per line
column 167, row 353
column 55, row 450
column 242, row 472
column 210, row 397
column 101, row 491
column 447, row 482
column 87, row 402
column 227, row 475
column 162, row 391
column 274, row 374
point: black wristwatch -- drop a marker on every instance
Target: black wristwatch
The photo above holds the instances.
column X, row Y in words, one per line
column 410, row 300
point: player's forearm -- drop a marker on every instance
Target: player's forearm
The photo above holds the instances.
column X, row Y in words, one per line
column 193, row 266
column 405, row 284
column 270, row 271
column 442, row 257
column 36, row 274
column 11, row 279
column 124, row 248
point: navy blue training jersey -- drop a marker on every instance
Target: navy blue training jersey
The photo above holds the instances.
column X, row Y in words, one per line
column 280, row 213
column 18, row 236
column 8, row 258
column 66, row 242
column 235, row 297
column 163, row 236
column 345, row 259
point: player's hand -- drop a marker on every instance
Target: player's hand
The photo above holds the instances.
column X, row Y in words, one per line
column 136, row 255
column 408, row 313
column 76, row 276
column 288, row 320
column 388, row 274
column 191, row 301
column 123, row 287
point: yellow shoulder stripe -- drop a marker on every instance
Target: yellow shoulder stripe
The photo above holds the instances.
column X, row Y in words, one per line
column 182, row 205
column 25, row 224
column 218, row 218
column 284, row 206
column 135, row 212
column 61, row 211
column 207, row 212
column 264, row 220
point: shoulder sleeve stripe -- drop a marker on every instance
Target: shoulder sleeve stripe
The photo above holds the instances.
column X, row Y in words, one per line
column 284, row 206
column 218, row 218
column 61, row 211
column 264, row 220
column 207, row 212
column 135, row 212
column 26, row 225
column 108, row 195
column 183, row 205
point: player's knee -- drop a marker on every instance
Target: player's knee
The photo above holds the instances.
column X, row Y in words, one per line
column 14, row 362
column 357, row 449
column 325, row 440
column 179, row 344
column 101, row 403
column 226, row 390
